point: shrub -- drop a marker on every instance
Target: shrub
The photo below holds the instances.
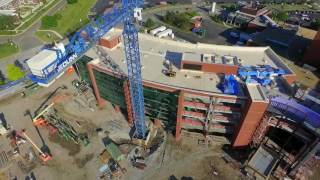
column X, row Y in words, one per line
column 150, row 23
column 180, row 20
column 14, row 73
column 315, row 24
column 280, row 15
column 50, row 21
column 230, row 8
column 216, row 19
column 72, row 1
column 2, row 78
column 7, row 22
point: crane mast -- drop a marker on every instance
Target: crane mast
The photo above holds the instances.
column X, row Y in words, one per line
column 131, row 43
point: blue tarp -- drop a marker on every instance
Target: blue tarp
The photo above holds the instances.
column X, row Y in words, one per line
column 230, row 85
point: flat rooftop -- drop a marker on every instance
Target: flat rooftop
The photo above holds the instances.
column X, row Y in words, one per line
column 112, row 34
column 155, row 51
column 211, row 58
column 256, row 93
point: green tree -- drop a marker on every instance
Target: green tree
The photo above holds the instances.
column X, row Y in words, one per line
column 2, row 78
column 230, row 8
column 316, row 24
column 280, row 16
column 180, row 20
column 7, row 22
column 14, row 73
column 150, row 23
column 169, row 17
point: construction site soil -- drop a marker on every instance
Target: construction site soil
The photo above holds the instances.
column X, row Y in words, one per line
column 71, row 161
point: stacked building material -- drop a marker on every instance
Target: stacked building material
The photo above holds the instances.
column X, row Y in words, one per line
column 113, row 149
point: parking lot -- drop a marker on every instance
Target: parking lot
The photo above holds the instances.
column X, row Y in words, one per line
column 303, row 18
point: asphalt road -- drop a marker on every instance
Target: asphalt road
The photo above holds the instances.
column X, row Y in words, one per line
column 27, row 40
column 215, row 33
column 28, row 43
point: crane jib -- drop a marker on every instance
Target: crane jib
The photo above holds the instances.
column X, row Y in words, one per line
column 66, row 63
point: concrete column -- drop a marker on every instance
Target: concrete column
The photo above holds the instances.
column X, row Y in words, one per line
column 179, row 115
column 100, row 102
column 128, row 102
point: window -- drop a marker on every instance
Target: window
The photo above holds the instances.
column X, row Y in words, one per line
column 192, row 67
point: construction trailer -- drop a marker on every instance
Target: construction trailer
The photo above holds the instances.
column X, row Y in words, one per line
column 165, row 33
column 157, row 30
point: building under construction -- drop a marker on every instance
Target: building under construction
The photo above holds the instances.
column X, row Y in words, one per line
column 187, row 88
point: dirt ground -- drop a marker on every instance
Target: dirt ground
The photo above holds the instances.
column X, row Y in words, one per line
column 305, row 77
column 71, row 161
column 316, row 173
column 186, row 160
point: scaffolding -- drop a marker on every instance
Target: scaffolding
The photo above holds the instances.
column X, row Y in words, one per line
column 81, row 67
column 210, row 114
column 110, row 88
column 159, row 104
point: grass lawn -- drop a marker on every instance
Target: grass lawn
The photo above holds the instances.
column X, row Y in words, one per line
column 5, row 32
column 14, row 73
column 73, row 16
column 47, row 37
column 288, row 7
column 305, row 77
column 39, row 13
column 8, row 49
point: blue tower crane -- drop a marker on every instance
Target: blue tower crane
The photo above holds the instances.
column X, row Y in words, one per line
column 87, row 36
column 131, row 43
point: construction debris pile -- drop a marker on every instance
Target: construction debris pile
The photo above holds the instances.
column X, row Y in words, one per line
column 84, row 96
column 55, row 123
column 116, row 157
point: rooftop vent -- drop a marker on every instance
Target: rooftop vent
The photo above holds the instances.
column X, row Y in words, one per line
column 230, row 60
column 208, row 58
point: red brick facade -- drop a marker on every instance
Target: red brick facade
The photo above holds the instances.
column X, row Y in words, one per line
column 312, row 55
column 110, row 43
column 213, row 68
